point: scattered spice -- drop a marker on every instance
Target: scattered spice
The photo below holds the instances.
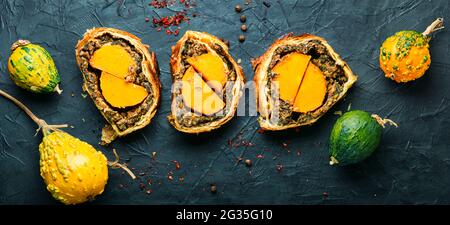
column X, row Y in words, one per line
column 213, row 188
column 153, row 155
column 241, row 38
column 299, row 152
column 244, row 27
column 170, row 176
column 181, row 179
column 177, row 164
column 142, row 186
column 260, row 156
column 175, row 20
column 325, row 194
column 243, row 18
column 248, row 162
column 279, row 167
column 158, row 4
column 238, row 8
column 260, row 131
column 149, row 191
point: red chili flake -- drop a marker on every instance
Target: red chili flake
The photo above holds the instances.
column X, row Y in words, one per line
column 147, row 19
column 170, row 177
column 230, row 143
column 279, row 167
column 325, row 194
column 149, row 191
column 150, row 182
column 260, row 156
column 299, row 152
column 142, row 186
column 177, row 164
column 285, row 145
column 168, row 32
column 158, row 4
column 177, row 31
column 260, row 131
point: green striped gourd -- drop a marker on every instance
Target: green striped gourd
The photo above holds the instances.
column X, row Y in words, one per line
column 32, row 68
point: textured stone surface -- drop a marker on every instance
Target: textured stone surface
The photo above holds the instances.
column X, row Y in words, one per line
column 412, row 164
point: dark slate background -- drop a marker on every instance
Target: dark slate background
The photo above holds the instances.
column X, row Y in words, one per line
column 411, row 166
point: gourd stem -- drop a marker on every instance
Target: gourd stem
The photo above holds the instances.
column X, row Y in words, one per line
column 333, row 161
column 40, row 122
column 435, row 26
column 58, row 89
column 116, row 165
column 384, row 121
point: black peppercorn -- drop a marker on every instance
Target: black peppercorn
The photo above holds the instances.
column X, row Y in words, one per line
column 244, row 27
column 248, row 162
column 238, row 8
column 213, row 188
column 243, row 18
column 241, row 38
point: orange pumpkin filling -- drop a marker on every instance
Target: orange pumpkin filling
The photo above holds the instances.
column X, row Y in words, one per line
column 198, row 96
column 120, row 93
column 300, row 82
column 212, row 69
column 312, row 91
column 113, row 59
column 290, row 71
column 116, row 64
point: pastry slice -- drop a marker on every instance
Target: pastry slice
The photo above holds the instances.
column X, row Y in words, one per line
column 121, row 77
column 298, row 79
column 207, row 83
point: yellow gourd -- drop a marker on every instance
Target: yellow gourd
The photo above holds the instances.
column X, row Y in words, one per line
column 73, row 170
column 404, row 56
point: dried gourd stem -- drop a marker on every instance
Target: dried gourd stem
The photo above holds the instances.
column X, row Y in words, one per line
column 333, row 161
column 384, row 121
column 58, row 89
column 438, row 24
column 40, row 122
column 116, row 165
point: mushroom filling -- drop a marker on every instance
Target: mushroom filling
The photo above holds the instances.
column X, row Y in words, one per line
column 185, row 113
column 283, row 112
column 123, row 117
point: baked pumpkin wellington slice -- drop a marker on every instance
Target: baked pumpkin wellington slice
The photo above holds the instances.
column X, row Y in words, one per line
column 121, row 77
column 298, row 79
column 207, row 83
